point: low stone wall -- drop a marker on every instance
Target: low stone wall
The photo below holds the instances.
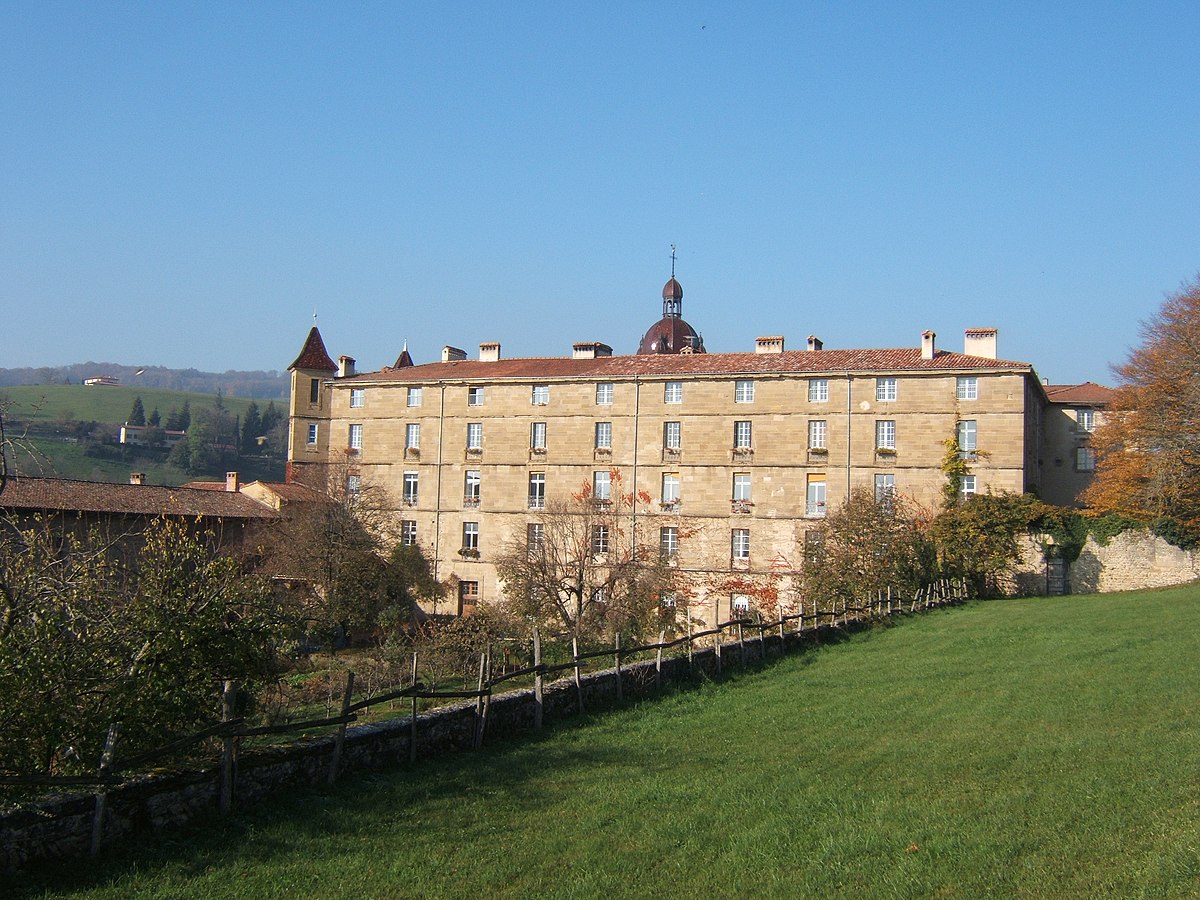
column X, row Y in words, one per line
column 1133, row 560
column 62, row 827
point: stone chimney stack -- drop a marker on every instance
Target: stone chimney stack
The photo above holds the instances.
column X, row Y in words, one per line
column 928, row 344
column 231, row 482
column 814, row 342
column 345, row 366
column 590, row 350
column 980, row 342
column 773, row 344
column 137, row 477
column 453, row 354
column 489, row 351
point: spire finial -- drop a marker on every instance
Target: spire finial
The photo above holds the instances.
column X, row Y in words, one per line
column 672, row 260
column 314, row 317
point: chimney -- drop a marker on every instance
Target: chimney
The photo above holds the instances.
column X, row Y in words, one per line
column 814, row 342
column 489, row 351
column 980, row 342
column 928, row 344
column 345, row 366
column 590, row 350
column 231, row 482
column 137, row 477
column 453, row 354
column 773, row 344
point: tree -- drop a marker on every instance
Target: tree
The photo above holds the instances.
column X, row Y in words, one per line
column 155, row 418
column 251, row 429
column 185, row 416
column 978, row 538
column 584, row 564
column 137, row 415
column 867, row 545
column 1148, row 446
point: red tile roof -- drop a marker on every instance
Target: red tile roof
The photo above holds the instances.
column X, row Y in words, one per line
column 61, row 495
column 1088, row 393
column 790, row 362
column 314, row 355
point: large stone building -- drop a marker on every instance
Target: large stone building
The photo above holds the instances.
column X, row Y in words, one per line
column 747, row 449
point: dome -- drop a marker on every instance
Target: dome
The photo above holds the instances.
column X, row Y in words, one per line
column 671, row 334
column 672, row 290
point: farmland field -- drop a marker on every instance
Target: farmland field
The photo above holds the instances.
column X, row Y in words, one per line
column 1035, row 747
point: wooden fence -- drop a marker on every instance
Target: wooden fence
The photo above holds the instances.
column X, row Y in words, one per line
column 114, row 769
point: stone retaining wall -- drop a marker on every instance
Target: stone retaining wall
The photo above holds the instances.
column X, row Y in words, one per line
column 1133, row 560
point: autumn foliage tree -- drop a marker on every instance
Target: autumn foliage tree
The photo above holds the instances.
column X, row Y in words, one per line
column 584, row 565
column 1148, row 446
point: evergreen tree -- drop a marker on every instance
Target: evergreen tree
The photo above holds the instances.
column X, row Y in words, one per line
column 185, row 416
column 219, row 403
column 173, row 420
column 137, row 415
column 251, row 429
column 155, row 419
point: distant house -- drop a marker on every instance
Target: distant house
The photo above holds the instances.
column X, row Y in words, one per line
column 135, row 435
column 102, row 380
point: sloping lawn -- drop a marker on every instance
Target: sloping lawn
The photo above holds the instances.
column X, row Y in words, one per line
column 1035, row 748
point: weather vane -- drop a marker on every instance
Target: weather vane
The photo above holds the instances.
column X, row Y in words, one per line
column 672, row 260
column 314, row 316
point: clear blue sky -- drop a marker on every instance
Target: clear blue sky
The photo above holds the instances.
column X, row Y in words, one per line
column 182, row 184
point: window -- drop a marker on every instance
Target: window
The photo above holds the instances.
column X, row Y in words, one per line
column 815, row 501
column 358, row 398
column 741, row 486
column 885, row 434
column 312, row 435
column 818, row 390
column 966, row 439
column 668, row 600
column 412, row 436
column 314, row 391
column 408, row 532
column 739, row 603
column 599, row 539
column 1085, row 459
column 414, row 396
column 474, row 396
column 604, row 435
column 475, row 436
column 673, row 392
column 1085, row 419
column 741, row 435
column 817, row 434
column 966, row 487
column 353, row 486
column 672, row 434
column 470, row 542
column 885, row 487
column 885, row 389
column 537, row 490
column 740, row 543
column 471, row 487
column 411, row 489
column 668, row 540
column 540, row 395
column 356, row 437
column 743, row 391
column 537, row 436
column 602, row 485
column 604, row 393
column 670, row 488
column 535, row 538
column 966, row 387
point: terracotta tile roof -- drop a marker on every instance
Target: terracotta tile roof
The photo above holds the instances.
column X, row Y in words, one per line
column 314, row 355
column 816, row 362
column 1089, row 392
column 59, row 494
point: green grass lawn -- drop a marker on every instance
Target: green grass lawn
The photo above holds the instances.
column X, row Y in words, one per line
column 1032, row 748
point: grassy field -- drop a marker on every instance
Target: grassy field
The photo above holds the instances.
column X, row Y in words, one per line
column 109, row 405
column 1032, row 748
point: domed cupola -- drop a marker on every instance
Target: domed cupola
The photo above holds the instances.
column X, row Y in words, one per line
column 671, row 334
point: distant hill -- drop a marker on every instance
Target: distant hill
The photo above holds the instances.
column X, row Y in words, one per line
column 258, row 385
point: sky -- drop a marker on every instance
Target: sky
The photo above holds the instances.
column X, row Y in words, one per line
column 187, row 184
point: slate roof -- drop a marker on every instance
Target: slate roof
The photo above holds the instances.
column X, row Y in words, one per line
column 815, row 362
column 1088, row 393
column 313, row 354
column 62, row 495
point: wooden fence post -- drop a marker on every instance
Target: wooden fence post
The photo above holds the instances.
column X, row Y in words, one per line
column 717, row 645
column 662, row 636
column 689, row 644
column 477, row 741
column 340, row 740
column 487, row 698
column 110, row 746
column 227, row 750
column 412, row 722
column 578, row 681
column 538, row 680
column 741, row 643
column 617, row 654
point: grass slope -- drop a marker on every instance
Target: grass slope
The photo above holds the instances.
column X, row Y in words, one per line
column 109, row 405
column 1043, row 747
